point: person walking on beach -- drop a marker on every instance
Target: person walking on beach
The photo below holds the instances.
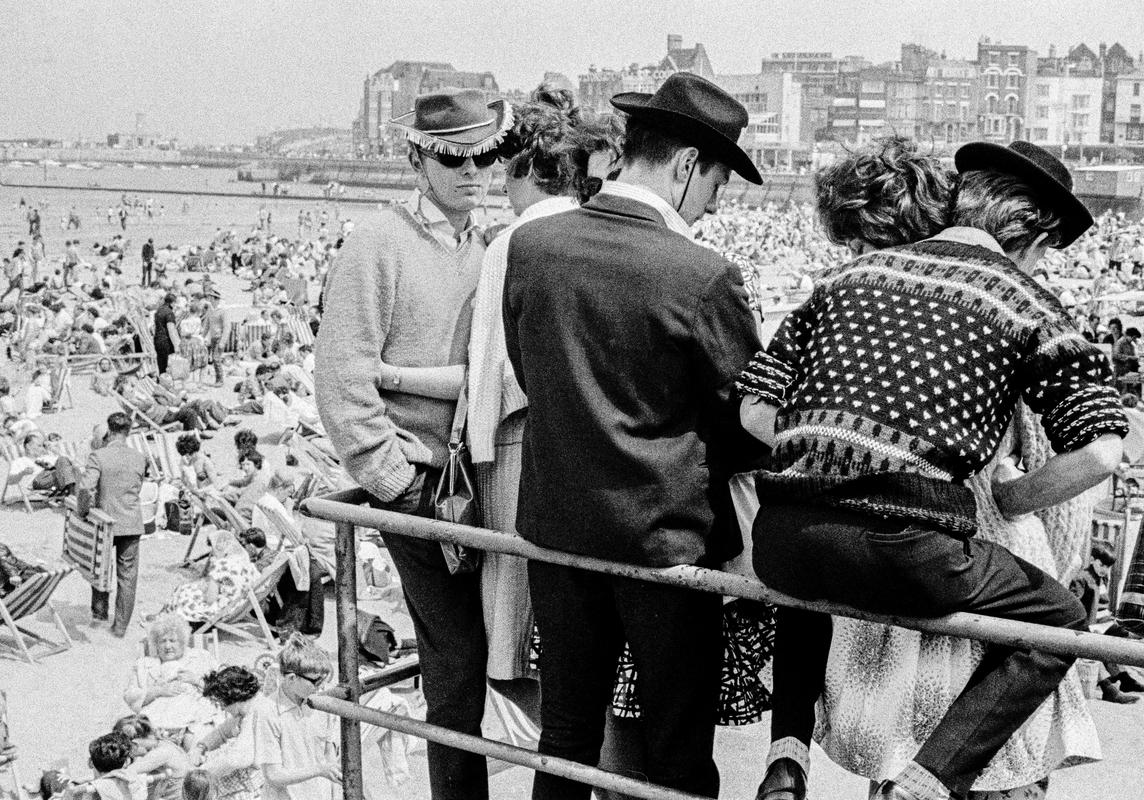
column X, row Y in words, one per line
column 111, row 483
column 166, row 332
column 626, row 336
column 880, row 395
column 148, row 261
column 399, row 294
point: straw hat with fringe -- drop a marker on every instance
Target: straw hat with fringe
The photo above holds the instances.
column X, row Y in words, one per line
column 456, row 122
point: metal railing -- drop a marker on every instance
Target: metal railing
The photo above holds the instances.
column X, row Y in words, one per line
column 349, row 509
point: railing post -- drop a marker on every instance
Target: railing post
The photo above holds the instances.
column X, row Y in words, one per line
column 345, row 584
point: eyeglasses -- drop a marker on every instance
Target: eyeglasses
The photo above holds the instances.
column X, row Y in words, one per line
column 448, row 161
column 315, row 682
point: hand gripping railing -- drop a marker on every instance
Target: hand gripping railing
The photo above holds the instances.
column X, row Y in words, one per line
column 348, row 509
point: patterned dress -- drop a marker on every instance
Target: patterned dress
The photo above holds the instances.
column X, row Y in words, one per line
column 887, row 688
column 232, row 572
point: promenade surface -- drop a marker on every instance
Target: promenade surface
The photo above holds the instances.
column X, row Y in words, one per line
column 59, row 705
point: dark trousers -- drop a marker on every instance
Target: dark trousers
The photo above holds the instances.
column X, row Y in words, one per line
column 676, row 641
column 450, row 628
column 214, row 353
column 126, row 578
column 147, row 280
column 899, row 568
column 162, row 353
column 61, row 477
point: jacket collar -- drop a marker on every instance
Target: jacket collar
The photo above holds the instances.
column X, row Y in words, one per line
column 971, row 236
column 628, row 198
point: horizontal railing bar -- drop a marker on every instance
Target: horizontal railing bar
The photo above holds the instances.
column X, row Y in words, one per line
column 505, row 752
column 342, row 507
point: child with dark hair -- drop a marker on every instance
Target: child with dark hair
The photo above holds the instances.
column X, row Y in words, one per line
column 199, row 785
column 109, row 753
column 1115, row 681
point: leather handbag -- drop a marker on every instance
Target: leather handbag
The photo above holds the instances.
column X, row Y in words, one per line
column 455, row 500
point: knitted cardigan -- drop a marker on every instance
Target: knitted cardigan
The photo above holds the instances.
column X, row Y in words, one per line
column 912, row 360
column 395, row 295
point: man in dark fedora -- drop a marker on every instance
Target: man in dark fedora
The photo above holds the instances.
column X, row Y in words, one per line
column 881, row 395
column 399, row 293
column 627, row 335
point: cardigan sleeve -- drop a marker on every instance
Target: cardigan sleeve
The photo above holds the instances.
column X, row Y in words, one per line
column 359, row 300
column 775, row 371
column 1067, row 381
column 487, row 356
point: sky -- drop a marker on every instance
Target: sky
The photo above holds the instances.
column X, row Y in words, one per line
column 228, row 70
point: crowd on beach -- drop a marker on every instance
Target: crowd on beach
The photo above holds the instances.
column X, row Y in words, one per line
column 150, row 332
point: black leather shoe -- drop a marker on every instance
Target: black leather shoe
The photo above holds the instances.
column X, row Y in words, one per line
column 784, row 780
column 1128, row 683
column 1111, row 693
column 891, row 791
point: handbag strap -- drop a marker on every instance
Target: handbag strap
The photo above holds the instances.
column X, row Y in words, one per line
column 457, row 436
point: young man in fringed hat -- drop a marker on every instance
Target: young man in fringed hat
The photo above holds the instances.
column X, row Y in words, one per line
column 627, row 335
column 399, row 294
column 881, row 395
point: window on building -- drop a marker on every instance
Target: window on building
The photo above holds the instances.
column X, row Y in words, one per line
column 1080, row 120
column 1134, row 112
column 992, row 103
column 1012, row 81
column 1042, row 90
column 1012, row 59
column 996, row 126
column 1080, row 101
column 1011, row 105
column 1042, row 112
column 1040, row 134
column 992, row 80
column 1136, row 90
column 965, row 92
column 994, row 57
column 937, row 92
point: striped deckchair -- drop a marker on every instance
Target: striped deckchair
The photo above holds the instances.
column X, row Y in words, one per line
column 141, row 443
column 27, row 600
column 204, row 515
column 247, row 607
column 140, row 419
column 88, row 545
column 160, row 451
column 519, row 729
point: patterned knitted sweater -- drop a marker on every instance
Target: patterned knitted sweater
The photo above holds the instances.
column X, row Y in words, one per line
column 912, row 360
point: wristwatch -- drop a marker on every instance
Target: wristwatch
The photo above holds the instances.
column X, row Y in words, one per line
column 397, row 377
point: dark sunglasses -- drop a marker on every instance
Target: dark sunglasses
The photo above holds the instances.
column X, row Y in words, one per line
column 483, row 161
column 315, row 682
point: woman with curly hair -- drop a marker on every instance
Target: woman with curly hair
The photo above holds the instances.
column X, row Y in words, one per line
column 886, row 688
column 166, row 683
column 226, row 754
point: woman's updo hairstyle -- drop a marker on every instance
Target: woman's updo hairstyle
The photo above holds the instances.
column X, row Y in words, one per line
column 562, row 99
column 540, row 145
column 887, row 195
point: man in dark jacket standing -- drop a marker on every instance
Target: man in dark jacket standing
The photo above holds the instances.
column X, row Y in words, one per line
column 626, row 335
column 111, row 483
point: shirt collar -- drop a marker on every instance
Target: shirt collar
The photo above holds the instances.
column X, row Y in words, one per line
column 641, row 194
column 971, row 236
column 432, row 219
column 548, row 207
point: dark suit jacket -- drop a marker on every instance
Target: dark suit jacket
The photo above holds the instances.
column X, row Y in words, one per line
column 627, row 339
column 113, row 478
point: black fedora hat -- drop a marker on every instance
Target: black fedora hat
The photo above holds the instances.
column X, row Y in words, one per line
column 1041, row 170
column 700, row 113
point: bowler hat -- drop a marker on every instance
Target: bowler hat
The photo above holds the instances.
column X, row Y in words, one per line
column 700, row 113
column 458, row 122
column 1042, row 171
